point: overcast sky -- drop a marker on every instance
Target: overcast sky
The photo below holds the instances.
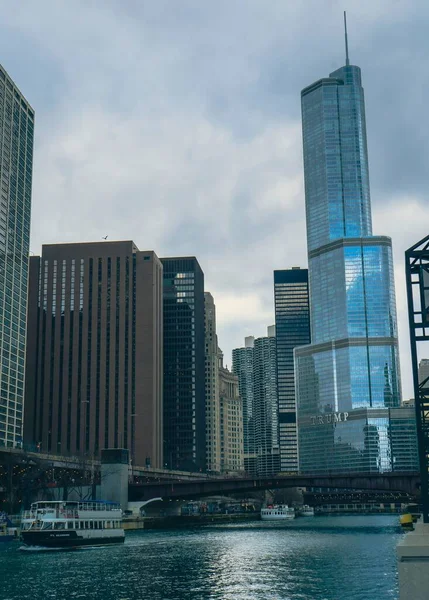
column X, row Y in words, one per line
column 176, row 123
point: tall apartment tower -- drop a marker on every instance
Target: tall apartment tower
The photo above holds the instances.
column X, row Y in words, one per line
column 292, row 311
column 265, row 404
column 242, row 367
column 231, row 421
column 16, row 174
column 94, row 352
column 184, row 357
column 213, row 449
column 348, row 378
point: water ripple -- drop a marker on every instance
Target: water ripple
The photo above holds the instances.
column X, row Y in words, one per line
column 336, row 558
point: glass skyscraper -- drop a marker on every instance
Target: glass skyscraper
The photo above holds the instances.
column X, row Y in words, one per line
column 255, row 365
column 242, row 367
column 16, row 172
column 292, row 312
column 184, row 370
column 265, row 404
column 351, row 369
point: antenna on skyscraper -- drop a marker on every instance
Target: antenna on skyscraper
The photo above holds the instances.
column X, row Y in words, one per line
column 347, row 43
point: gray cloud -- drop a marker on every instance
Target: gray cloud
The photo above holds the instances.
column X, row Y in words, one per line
column 178, row 125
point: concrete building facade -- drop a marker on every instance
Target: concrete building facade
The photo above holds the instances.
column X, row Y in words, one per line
column 231, row 421
column 94, row 353
column 423, row 370
column 213, row 449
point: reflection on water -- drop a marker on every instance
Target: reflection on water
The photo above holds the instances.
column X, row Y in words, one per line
column 314, row 558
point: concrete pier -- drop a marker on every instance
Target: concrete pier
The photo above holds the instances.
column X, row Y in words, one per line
column 413, row 564
column 114, row 476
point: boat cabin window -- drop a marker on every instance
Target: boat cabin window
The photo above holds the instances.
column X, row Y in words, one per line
column 60, row 525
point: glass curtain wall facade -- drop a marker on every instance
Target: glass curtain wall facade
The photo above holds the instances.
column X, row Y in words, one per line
column 242, row 367
column 184, row 368
column 16, row 173
column 266, row 404
column 352, row 366
column 292, row 313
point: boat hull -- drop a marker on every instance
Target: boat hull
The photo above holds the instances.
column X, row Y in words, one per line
column 277, row 517
column 67, row 539
column 6, row 538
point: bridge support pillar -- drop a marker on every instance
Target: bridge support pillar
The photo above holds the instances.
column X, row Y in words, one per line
column 114, row 476
column 413, row 562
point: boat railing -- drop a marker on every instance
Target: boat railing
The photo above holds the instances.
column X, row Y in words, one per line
column 65, row 513
column 89, row 506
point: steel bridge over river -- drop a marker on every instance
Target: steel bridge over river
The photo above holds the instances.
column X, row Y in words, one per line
column 406, row 483
column 24, row 475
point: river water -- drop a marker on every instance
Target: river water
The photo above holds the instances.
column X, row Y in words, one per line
column 313, row 558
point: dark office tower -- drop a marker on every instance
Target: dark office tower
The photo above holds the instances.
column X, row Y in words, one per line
column 184, row 381
column 292, row 330
column 242, row 367
column 265, row 404
column 16, row 173
column 94, row 353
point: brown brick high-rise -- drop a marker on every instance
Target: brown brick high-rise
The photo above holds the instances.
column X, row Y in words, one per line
column 94, row 353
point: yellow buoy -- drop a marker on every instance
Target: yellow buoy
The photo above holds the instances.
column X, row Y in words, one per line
column 406, row 520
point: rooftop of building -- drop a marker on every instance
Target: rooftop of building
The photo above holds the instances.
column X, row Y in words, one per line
column 5, row 75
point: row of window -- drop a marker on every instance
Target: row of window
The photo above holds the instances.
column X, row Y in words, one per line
column 60, row 525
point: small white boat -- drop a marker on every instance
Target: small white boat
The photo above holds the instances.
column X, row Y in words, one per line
column 307, row 511
column 277, row 512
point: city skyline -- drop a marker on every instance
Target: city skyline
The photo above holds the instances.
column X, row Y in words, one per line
column 73, row 153
column 178, row 127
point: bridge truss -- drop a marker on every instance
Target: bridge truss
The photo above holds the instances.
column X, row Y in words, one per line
column 417, row 274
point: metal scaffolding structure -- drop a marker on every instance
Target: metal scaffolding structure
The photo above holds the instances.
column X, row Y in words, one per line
column 417, row 276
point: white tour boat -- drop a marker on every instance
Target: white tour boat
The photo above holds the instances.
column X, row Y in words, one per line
column 64, row 524
column 277, row 512
column 307, row 511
